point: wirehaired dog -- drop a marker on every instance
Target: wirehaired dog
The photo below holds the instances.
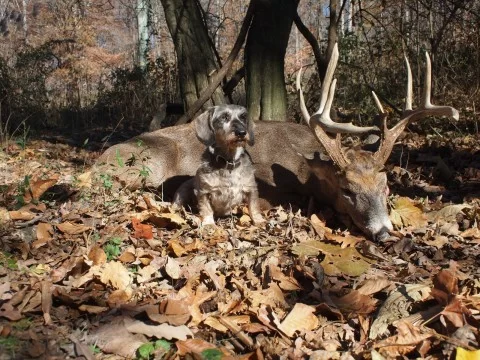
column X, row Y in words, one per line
column 225, row 178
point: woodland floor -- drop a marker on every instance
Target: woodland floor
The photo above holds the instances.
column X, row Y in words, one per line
column 90, row 271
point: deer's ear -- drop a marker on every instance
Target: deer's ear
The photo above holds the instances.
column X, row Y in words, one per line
column 250, row 129
column 204, row 128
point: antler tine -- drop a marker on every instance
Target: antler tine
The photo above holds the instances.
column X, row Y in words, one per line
column 303, row 107
column 381, row 113
column 322, row 116
column 425, row 109
column 408, row 99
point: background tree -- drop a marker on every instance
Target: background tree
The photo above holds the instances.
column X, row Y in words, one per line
column 196, row 59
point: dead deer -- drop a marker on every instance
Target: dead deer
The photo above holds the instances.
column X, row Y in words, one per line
column 351, row 180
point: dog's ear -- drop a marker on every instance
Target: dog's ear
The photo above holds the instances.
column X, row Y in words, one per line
column 204, row 128
column 250, row 129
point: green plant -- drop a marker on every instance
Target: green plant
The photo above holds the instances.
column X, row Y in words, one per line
column 95, row 349
column 107, row 181
column 7, row 260
column 211, row 354
column 9, row 344
column 145, row 351
column 112, row 248
column 22, row 190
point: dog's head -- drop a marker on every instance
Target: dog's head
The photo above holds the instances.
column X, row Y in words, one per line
column 226, row 126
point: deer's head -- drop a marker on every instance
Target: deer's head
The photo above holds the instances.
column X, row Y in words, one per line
column 358, row 185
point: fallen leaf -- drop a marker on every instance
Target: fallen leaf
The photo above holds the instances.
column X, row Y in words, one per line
column 448, row 213
column 142, row 231
column 162, row 331
column 355, row 302
column 21, row 215
column 405, row 342
column 44, row 235
column 97, row 255
column 396, row 307
column 72, row 228
column 115, row 274
column 195, row 347
column 39, row 187
column 167, row 220
column 47, row 301
column 301, row 317
column 463, row 354
column 84, row 180
column 373, row 286
column 172, row 268
column 406, row 213
column 114, row 338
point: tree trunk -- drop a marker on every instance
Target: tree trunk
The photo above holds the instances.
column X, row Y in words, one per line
column 195, row 56
column 265, row 59
column 143, row 33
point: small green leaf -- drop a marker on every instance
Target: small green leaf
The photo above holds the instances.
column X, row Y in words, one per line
column 211, row 354
column 163, row 344
column 145, row 350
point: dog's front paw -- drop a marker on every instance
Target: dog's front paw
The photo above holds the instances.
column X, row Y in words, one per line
column 208, row 220
column 258, row 219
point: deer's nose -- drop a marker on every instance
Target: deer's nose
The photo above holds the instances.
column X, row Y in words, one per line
column 240, row 133
column 382, row 235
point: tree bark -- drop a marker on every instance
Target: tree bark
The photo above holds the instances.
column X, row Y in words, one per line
column 265, row 59
column 195, row 56
column 143, row 32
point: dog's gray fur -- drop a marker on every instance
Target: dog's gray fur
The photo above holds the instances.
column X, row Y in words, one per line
column 225, row 178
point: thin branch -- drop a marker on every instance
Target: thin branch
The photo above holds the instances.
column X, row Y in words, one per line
column 307, row 34
column 217, row 77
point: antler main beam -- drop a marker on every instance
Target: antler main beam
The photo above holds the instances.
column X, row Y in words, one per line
column 425, row 109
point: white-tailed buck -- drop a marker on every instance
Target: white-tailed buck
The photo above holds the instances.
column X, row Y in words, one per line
column 350, row 179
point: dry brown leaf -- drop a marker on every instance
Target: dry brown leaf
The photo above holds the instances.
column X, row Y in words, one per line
column 39, row 187
column 301, row 318
column 407, row 339
column 114, row 338
column 195, row 347
column 47, row 301
column 44, row 235
column 92, row 309
column 97, row 255
column 285, row 282
column 355, row 302
column 127, row 257
column 167, row 220
column 448, row 213
column 9, row 312
column 344, row 240
column 115, row 274
column 72, row 228
column 396, row 307
column 172, row 268
column 373, row 286
column 84, row 180
column 21, row 215
column 473, row 232
column 142, row 231
column 162, row 331
column 406, row 213
column 146, row 273
column 319, row 226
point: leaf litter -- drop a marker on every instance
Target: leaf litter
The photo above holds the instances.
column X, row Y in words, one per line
column 90, row 270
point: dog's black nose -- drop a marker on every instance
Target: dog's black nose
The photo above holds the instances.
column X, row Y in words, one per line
column 240, row 133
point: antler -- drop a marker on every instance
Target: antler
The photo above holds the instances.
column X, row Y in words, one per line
column 321, row 123
column 425, row 109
